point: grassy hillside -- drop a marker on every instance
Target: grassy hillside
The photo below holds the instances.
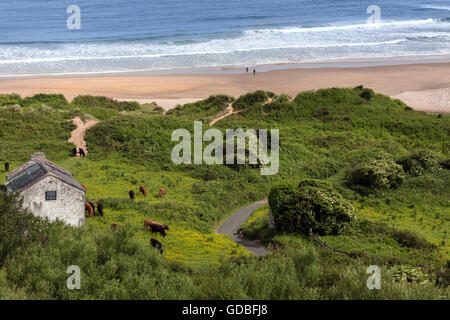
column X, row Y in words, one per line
column 324, row 135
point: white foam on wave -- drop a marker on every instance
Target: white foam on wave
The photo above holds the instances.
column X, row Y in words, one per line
column 187, row 53
column 347, row 27
column 445, row 8
column 267, row 46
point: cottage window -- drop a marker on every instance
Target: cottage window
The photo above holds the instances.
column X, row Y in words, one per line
column 50, row 195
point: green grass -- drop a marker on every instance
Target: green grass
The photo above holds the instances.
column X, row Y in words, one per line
column 323, row 135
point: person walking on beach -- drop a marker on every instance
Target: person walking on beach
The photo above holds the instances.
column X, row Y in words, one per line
column 246, row 69
column 254, row 72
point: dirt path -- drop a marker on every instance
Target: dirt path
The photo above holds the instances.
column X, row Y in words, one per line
column 229, row 113
column 233, row 223
column 77, row 137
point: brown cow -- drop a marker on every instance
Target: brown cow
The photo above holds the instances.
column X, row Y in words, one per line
column 115, row 225
column 131, row 193
column 143, row 191
column 88, row 207
column 148, row 223
column 162, row 192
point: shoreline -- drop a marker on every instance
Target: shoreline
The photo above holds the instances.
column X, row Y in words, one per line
column 238, row 69
column 423, row 86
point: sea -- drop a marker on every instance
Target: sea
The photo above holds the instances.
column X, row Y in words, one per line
column 50, row 37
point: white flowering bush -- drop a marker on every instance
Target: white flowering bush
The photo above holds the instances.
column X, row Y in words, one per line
column 312, row 205
column 378, row 174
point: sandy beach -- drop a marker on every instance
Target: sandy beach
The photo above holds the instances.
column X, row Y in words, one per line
column 425, row 87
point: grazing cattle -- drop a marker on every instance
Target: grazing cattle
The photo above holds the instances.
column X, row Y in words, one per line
column 148, row 222
column 100, row 209
column 131, row 193
column 115, row 226
column 162, row 192
column 87, row 207
column 156, row 244
column 93, row 207
column 6, row 166
column 82, row 154
column 75, row 152
column 143, row 191
column 157, row 228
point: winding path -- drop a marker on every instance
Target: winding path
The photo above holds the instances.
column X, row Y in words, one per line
column 77, row 135
column 233, row 223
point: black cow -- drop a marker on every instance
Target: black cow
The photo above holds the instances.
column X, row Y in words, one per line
column 156, row 244
column 100, row 209
column 93, row 207
column 82, row 154
column 75, row 152
column 6, row 166
column 156, row 228
column 131, row 193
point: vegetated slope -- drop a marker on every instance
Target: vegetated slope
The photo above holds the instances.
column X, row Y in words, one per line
column 204, row 110
column 323, row 135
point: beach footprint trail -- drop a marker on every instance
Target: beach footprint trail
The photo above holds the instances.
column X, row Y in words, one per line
column 77, row 135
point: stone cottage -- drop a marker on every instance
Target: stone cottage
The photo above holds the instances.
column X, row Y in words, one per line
column 48, row 190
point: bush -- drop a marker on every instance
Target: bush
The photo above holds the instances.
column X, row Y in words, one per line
column 51, row 100
column 251, row 100
column 105, row 102
column 410, row 239
column 367, row 94
column 18, row 228
column 203, row 109
column 378, row 174
column 411, row 166
column 422, row 160
column 314, row 204
column 9, row 99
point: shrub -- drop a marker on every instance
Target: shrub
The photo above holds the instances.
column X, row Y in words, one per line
column 410, row 239
column 251, row 100
column 105, row 102
column 203, row 109
column 378, row 174
column 9, row 99
column 314, row 204
column 411, row 166
column 367, row 94
column 427, row 159
column 18, row 228
column 422, row 160
column 51, row 100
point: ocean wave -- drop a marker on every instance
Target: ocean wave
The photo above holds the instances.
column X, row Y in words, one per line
column 189, row 53
column 446, row 8
column 347, row 27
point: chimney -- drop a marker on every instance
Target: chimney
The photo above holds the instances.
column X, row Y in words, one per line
column 39, row 156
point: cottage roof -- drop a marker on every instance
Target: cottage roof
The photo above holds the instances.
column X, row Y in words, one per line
column 35, row 170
